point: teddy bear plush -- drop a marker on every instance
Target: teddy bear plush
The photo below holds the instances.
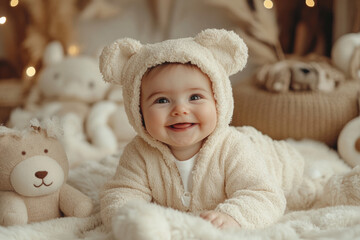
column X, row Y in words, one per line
column 299, row 75
column 33, row 173
column 72, row 89
column 66, row 84
column 345, row 54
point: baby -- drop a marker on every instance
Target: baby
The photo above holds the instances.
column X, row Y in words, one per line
column 179, row 109
column 178, row 97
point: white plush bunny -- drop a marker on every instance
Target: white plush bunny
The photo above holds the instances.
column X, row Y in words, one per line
column 72, row 88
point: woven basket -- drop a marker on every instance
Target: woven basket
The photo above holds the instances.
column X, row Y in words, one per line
column 298, row 115
column 11, row 96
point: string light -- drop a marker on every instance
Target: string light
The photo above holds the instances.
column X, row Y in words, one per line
column 2, row 20
column 73, row 50
column 310, row 3
column 268, row 4
column 14, row 3
column 30, row 71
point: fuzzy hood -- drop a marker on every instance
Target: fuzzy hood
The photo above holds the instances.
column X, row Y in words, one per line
column 217, row 53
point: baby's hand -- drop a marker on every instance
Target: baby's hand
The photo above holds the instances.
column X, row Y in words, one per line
column 220, row 220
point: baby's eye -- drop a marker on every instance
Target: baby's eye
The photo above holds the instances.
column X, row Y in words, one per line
column 195, row 97
column 162, row 100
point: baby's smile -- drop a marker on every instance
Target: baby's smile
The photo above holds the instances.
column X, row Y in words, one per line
column 181, row 126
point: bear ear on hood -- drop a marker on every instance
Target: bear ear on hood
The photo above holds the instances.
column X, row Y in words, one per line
column 115, row 56
column 226, row 47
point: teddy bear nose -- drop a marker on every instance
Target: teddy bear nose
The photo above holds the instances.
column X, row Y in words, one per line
column 41, row 174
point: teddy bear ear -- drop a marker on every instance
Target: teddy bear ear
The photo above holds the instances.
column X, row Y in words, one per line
column 54, row 53
column 227, row 48
column 114, row 57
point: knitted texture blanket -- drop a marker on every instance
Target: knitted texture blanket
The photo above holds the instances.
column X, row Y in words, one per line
column 148, row 221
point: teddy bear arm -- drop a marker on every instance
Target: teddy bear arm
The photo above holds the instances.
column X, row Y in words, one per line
column 97, row 126
column 74, row 203
column 13, row 210
column 355, row 64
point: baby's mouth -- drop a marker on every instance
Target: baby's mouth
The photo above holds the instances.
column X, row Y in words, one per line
column 181, row 125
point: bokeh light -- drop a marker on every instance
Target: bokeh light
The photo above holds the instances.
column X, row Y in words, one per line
column 14, row 3
column 30, row 71
column 268, row 4
column 73, row 50
column 2, row 20
column 310, row 3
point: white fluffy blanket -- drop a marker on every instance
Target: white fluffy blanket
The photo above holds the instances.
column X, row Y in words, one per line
column 148, row 221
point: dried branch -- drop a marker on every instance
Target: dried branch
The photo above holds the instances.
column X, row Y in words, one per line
column 256, row 23
column 49, row 20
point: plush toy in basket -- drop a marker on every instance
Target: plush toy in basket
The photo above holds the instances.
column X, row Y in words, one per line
column 72, row 88
column 299, row 98
column 34, row 169
column 313, row 74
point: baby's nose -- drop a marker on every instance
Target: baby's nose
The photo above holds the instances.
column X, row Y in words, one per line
column 179, row 109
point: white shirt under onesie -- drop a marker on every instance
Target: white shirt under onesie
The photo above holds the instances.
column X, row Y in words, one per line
column 185, row 169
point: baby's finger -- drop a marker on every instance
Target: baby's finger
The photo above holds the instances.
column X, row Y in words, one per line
column 209, row 215
column 217, row 222
column 224, row 225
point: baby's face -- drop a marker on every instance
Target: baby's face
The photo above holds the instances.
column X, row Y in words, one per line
column 178, row 106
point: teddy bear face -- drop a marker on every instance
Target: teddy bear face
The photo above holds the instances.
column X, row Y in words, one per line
column 32, row 164
column 303, row 76
column 73, row 78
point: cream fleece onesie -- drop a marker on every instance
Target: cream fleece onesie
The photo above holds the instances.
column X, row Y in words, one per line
column 238, row 171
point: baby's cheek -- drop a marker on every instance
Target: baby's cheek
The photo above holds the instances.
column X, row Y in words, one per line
column 209, row 117
column 153, row 121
